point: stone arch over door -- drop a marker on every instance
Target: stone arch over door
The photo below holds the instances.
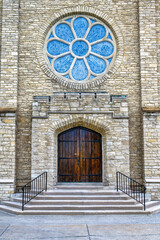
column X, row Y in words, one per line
column 73, row 121
column 77, row 120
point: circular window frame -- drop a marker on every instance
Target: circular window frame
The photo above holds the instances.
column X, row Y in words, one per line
column 90, row 12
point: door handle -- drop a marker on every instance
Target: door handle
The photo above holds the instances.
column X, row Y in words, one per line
column 78, row 161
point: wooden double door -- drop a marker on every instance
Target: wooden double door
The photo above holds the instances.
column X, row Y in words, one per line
column 79, row 156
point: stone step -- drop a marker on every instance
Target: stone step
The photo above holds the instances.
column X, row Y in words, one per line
column 81, row 192
column 73, row 201
column 151, row 208
column 86, row 212
column 64, row 206
column 83, row 207
column 96, row 201
column 83, row 202
column 15, row 205
column 151, row 204
column 72, row 212
column 82, row 197
column 11, row 210
column 82, row 186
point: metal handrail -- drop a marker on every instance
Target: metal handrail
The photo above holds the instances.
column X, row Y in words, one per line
column 132, row 188
column 33, row 188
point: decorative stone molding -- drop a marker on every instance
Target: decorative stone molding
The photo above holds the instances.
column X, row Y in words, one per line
column 6, row 181
column 150, row 110
column 79, row 120
column 8, row 110
column 153, row 180
column 70, row 12
column 80, row 103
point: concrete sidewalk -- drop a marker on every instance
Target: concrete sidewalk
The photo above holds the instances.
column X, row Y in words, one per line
column 108, row 227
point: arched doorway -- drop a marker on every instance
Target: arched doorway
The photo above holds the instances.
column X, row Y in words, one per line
column 79, row 155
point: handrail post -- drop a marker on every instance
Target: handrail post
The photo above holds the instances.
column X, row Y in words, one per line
column 46, row 182
column 22, row 198
column 144, row 199
column 117, row 180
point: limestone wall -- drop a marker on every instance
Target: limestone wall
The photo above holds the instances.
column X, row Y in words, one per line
column 9, row 54
column 152, row 153
column 7, row 154
column 148, row 54
column 9, row 21
column 34, row 82
column 137, row 76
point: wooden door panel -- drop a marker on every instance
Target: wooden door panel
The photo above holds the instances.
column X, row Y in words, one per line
column 91, row 156
column 67, row 156
column 79, row 156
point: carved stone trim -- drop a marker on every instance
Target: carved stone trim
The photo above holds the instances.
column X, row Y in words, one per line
column 8, row 110
column 149, row 109
column 78, row 120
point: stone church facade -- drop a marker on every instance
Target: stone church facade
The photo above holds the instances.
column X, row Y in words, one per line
column 89, row 66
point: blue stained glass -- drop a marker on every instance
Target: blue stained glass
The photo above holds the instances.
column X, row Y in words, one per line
column 68, row 20
column 80, row 48
column 97, row 65
column 104, row 48
column 63, row 64
column 51, row 35
column 96, row 32
column 63, row 31
column 92, row 20
column 50, row 59
column 80, row 25
column 56, row 47
column 109, row 60
column 79, row 71
column 91, row 77
column 69, row 45
column 109, row 36
column 67, row 76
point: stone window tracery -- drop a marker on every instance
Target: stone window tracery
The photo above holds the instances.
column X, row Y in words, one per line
column 80, row 48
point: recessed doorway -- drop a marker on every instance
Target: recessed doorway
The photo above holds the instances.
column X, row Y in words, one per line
column 79, row 155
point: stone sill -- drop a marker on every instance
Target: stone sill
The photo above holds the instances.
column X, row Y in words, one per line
column 6, row 181
column 8, row 110
column 153, row 180
column 150, row 109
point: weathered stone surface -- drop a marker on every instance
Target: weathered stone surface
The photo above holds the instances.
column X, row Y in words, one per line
column 7, row 156
column 23, row 25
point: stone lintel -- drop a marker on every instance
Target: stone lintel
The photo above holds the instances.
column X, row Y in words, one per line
column 153, row 180
column 7, row 110
column 149, row 109
column 6, row 181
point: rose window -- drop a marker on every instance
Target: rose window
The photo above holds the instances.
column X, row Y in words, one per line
column 80, row 48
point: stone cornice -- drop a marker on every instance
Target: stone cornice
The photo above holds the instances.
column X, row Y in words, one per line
column 150, row 109
column 7, row 110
